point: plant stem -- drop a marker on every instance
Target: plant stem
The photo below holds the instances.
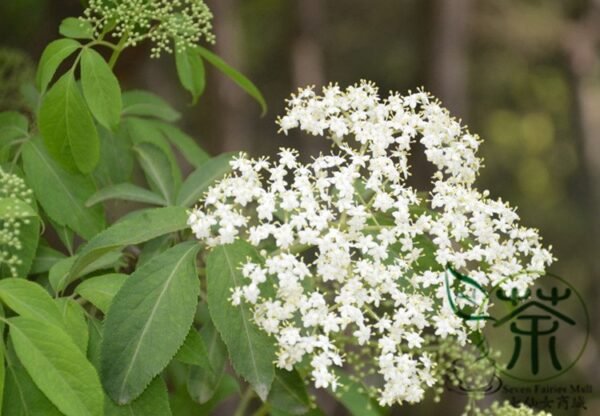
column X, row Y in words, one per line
column 293, row 249
column 372, row 313
column 17, row 155
column 263, row 410
column 244, row 402
column 117, row 51
column 104, row 43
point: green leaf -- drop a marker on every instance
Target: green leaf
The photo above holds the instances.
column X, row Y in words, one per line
column 157, row 169
column 251, row 351
column 13, row 126
column 74, row 319
column 190, row 70
column 60, row 275
column 61, row 194
column 148, row 131
column 354, row 399
column 21, row 396
column 145, row 104
column 202, row 383
column 148, row 321
column 100, row 88
column 116, row 158
column 136, row 228
column 15, row 208
column 65, row 235
column 127, row 192
column 311, row 412
column 154, row 247
column 228, row 387
column 58, row 367
column 31, row 96
column 13, row 121
column 30, row 300
column 153, row 401
column 243, row 82
column 288, row 393
column 199, row 181
column 75, row 28
column 67, row 126
column 186, row 145
column 182, row 404
column 193, row 351
column 45, row 258
column 95, row 341
column 54, row 54
column 101, row 290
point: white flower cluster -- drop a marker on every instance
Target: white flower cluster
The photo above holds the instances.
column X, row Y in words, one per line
column 506, row 409
column 360, row 257
column 167, row 23
column 11, row 186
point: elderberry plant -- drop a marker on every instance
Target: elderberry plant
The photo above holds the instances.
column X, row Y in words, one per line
column 333, row 274
column 360, row 265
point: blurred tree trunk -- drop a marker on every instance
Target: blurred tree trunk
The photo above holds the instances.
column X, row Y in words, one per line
column 307, row 56
column 581, row 46
column 450, row 53
column 307, row 52
column 231, row 99
column 581, row 42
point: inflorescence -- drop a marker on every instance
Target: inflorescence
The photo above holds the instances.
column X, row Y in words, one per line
column 12, row 186
column 167, row 23
column 360, row 256
column 506, row 409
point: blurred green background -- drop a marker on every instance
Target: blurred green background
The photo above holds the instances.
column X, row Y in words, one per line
column 523, row 74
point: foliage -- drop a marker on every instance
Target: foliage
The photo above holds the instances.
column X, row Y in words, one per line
column 99, row 317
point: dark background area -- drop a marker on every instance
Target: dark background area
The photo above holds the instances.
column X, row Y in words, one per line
column 523, row 74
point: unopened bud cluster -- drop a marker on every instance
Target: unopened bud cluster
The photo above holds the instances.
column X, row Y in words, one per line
column 167, row 23
column 12, row 186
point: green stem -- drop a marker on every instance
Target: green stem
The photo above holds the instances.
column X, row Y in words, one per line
column 372, row 313
column 293, row 249
column 117, row 51
column 376, row 227
column 244, row 402
column 263, row 410
column 18, row 141
column 369, row 203
column 17, row 155
column 104, row 43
